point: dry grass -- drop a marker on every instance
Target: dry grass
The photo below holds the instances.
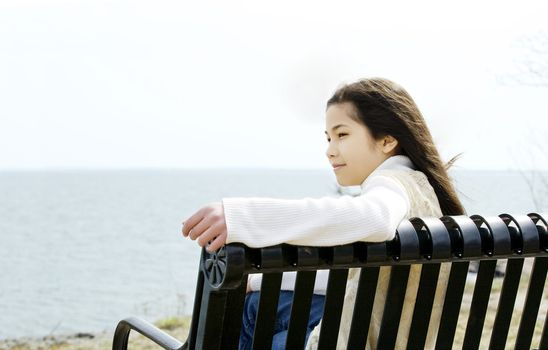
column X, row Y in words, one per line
column 175, row 326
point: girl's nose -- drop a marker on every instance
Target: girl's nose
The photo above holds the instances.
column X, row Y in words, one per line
column 331, row 151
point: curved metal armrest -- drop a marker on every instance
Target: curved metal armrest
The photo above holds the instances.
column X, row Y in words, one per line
column 121, row 335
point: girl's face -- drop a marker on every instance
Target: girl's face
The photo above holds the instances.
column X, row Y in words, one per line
column 352, row 151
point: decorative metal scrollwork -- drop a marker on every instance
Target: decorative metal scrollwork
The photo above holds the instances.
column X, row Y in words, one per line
column 215, row 266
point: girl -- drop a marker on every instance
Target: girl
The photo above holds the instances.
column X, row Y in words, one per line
column 378, row 140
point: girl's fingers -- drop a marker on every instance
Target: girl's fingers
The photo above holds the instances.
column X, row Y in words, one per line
column 209, row 235
column 217, row 243
column 186, row 226
column 192, row 221
column 207, row 225
column 200, row 228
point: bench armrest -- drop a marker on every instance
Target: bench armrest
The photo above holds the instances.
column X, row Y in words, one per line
column 121, row 335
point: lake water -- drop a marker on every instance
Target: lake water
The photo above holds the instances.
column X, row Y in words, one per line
column 80, row 250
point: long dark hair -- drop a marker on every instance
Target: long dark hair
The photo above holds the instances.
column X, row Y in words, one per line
column 385, row 108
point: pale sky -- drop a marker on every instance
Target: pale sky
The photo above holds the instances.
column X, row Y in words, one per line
column 180, row 84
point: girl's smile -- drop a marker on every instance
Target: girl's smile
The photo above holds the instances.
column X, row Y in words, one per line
column 337, row 166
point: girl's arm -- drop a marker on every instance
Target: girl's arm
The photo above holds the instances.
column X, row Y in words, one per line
column 373, row 216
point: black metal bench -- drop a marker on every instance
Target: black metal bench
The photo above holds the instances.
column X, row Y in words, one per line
column 222, row 280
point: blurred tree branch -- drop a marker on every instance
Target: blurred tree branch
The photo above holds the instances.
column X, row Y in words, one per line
column 533, row 67
column 533, row 71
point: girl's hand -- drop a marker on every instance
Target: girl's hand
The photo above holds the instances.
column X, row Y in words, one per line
column 207, row 225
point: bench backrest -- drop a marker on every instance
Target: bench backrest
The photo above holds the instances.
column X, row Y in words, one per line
column 430, row 242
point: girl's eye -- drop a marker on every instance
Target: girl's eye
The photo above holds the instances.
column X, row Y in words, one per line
column 339, row 135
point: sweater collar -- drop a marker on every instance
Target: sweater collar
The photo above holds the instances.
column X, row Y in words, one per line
column 397, row 162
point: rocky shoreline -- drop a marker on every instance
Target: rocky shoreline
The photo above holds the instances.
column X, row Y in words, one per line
column 176, row 326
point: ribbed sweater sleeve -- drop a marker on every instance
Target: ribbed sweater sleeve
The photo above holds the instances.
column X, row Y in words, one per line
column 372, row 216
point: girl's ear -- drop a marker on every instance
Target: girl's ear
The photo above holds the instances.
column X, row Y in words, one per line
column 389, row 144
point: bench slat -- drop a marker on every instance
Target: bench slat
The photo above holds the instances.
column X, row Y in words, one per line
column 334, row 299
column 192, row 334
column 395, row 297
column 532, row 304
column 480, row 301
column 506, row 303
column 267, row 310
column 234, row 309
column 451, row 305
column 423, row 306
column 300, row 309
column 361, row 317
column 211, row 322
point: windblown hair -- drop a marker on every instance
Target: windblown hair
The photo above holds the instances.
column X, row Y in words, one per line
column 385, row 108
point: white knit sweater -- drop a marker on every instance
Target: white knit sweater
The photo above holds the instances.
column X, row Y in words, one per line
column 373, row 215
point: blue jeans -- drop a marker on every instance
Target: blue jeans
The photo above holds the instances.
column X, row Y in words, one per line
column 282, row 318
